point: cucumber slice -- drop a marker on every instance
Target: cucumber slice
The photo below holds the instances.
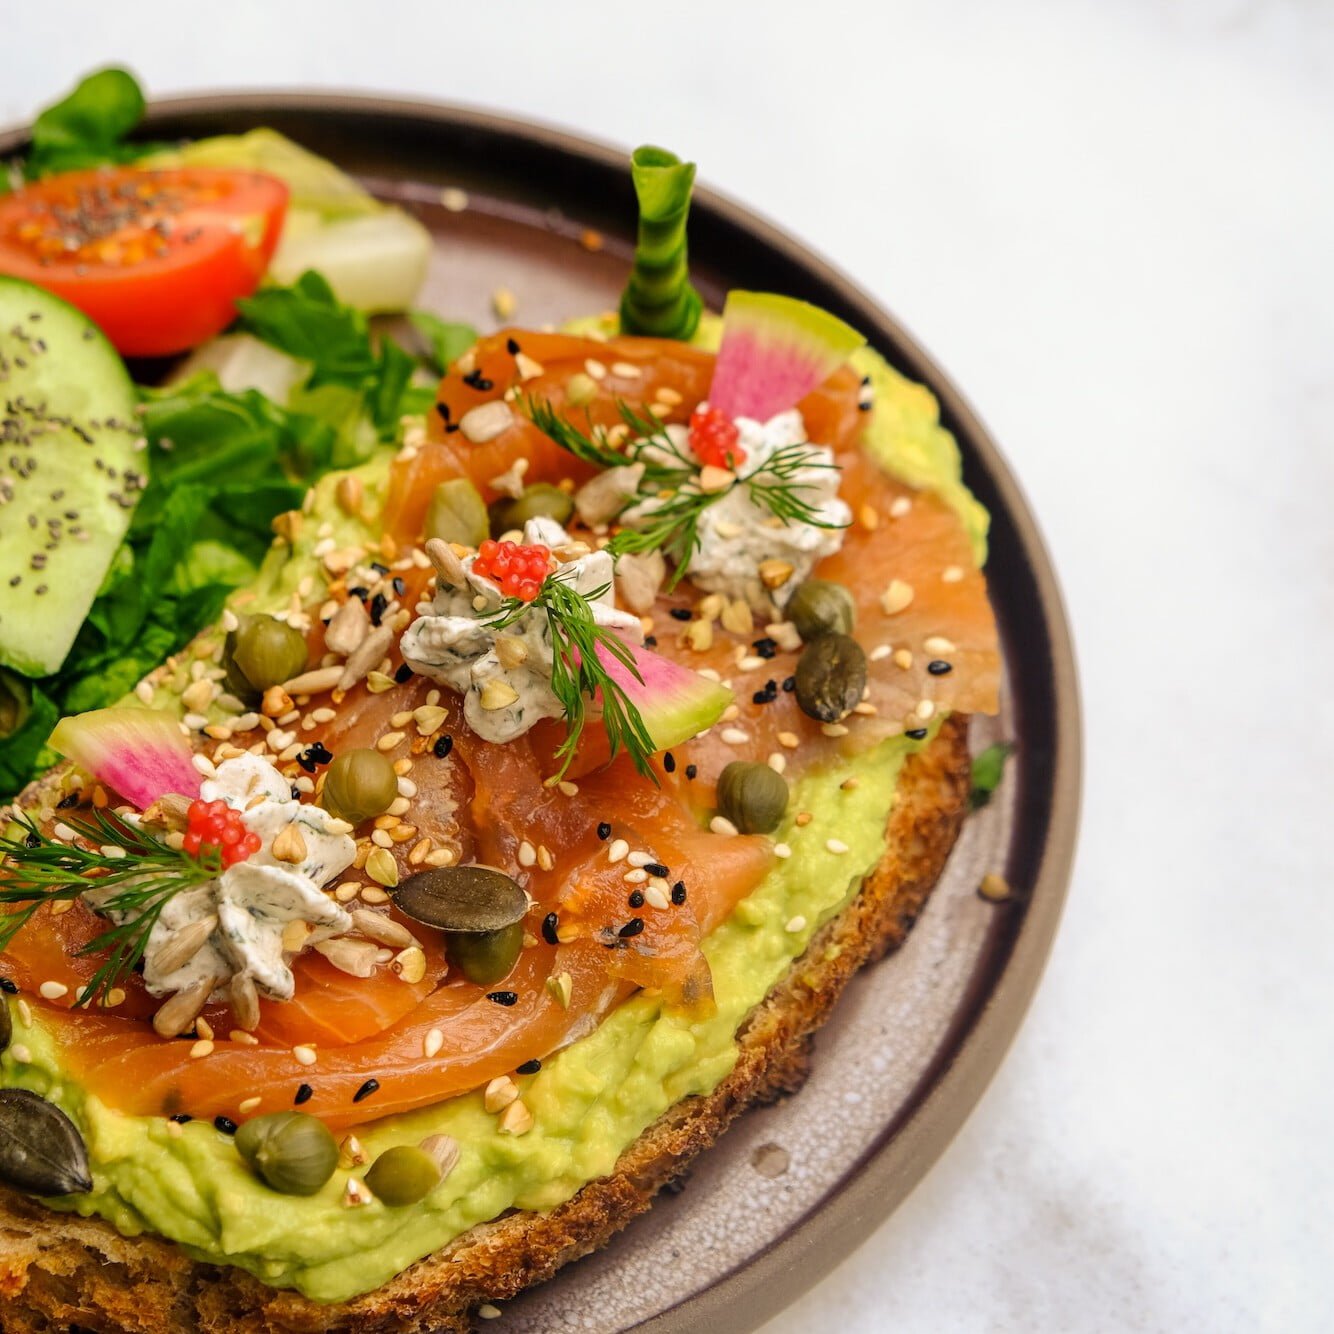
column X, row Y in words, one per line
column 71, row 470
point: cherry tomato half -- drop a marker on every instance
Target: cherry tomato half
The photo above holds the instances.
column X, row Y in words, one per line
column 156, row 258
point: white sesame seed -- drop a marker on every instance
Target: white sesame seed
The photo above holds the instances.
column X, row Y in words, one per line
column 896, row 597
column 782, row 851
column 902, row 658
column 432, row 1042
column 21, row 1052
column 202, row 1048
column 836, row 846
column 25, row 1012
column 249, row 1105
column 778, row 762
column 626, row 370
column 788, row 740
column 951, row 574
column 203, row 765
column 488, row 1312
column 527, row 854
column 638, row 858
column 387, row 742
column 750, row 663
column 618, row 851
column 655, row 897
column 407, row 788
column 305, row 1055
column 834, row 729
column 52, row 990
column 899, row 507
column 925, row 709
column 568, row 789
column 595, row 369
column 880, row 653
column 637, row 876
column 734, row 736
column 544, row 858
column 795, row 924
column 144, row 691
column 175, row 1130
column 938, row 644
column 720, row 824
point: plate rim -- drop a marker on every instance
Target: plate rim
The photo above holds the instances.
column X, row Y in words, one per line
column 769, row 1281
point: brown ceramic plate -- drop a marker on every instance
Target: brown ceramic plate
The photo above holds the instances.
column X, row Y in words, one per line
column 790, row 1190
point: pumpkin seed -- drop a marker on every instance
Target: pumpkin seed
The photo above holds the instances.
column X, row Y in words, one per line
column 820, row 607
column 462, row 898
column 41, row 1151
column 831, row 676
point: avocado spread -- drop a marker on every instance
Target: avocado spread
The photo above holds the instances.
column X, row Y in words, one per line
column 589, row 1101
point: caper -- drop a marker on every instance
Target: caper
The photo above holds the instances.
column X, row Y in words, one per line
column 462, row 898
column 831, row 676
column 262, row 652
column 15, row 703
column 752, row 796
column 358, row 785
column 402, row 1175
column 291, row 1152
column 485, row 957
column 457, row 513
column 819, row 607
column 539, row 501
column 41, row 1151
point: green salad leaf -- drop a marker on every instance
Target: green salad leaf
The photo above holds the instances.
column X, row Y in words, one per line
column 88, row 127
column 988, row 769
column 27, row 715
column 448, row 341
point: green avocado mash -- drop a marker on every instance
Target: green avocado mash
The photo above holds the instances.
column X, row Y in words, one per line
column 591, row 1100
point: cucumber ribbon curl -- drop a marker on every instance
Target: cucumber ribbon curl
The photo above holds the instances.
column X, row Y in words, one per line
column 659, row 300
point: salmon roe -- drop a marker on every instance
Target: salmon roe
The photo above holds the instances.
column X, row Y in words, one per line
column 713, row 437
column 214, row 825
column 519, row 570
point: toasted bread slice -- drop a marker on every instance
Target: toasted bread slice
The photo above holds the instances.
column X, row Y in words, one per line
column 58, row 1270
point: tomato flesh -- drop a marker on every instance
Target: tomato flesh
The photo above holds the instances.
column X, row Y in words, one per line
column 157, row 259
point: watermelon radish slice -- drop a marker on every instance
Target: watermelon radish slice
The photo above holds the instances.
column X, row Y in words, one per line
column 140, row 754
column 674, row 702
column 774, row 351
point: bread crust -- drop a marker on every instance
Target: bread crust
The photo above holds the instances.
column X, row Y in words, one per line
column 57, row 1270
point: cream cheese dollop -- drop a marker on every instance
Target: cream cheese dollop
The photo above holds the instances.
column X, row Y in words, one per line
column 505, row 676
column 737, row 535
column 254, row 900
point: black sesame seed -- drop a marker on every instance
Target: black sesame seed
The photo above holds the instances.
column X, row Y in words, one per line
column 680, row 613
column 650, row 641
column 442, row 747
column 765, row 648
column 865, row 407
column 669, row 761
column 636, row 899
column 549, row 924
column 398, row 586
column 32, row 841
column 68, row 800
column 358, row 592
column 679, row 892
column 765, row 696
column 403, row 675
column 476, row 380
column 225, row 1124
column 365, row 1091
column 916, row 734
column 503, row 997
column 303, row 1094
column 443, row 410
column 692, row 770
column 604, row 831
column 378, row 604
column 9, row 987
column 657, row 868
column 295, row 791
column 512, row 347
column 789, row 684
column 939, row 667
column 379, row 568
column 529, row 1067
column 181, row 1118
column 632, row 928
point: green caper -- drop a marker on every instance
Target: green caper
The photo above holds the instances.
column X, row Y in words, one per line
column 539, row 501
column 262, row 652
column 752, row 796
column 819, row 607
column 358, row 785
column 457, row 513
column 831, row 676
column 291, row 1152
column 485, row 957
column 402, row 1175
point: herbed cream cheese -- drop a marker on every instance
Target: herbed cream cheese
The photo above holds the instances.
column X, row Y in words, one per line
column 737, row 534
column 255, row 899
column 505, row 675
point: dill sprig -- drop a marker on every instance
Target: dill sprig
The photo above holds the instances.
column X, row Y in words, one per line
column 136, row 880
column 578, row 674
column 670, row 482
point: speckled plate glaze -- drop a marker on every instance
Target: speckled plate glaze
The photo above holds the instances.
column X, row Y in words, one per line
column 790, row 1190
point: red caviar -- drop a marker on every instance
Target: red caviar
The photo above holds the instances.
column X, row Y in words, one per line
column 713, row 437
column 215, row 825
column 517, row 569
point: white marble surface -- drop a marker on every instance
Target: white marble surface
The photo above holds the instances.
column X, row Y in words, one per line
column 1112, row 223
